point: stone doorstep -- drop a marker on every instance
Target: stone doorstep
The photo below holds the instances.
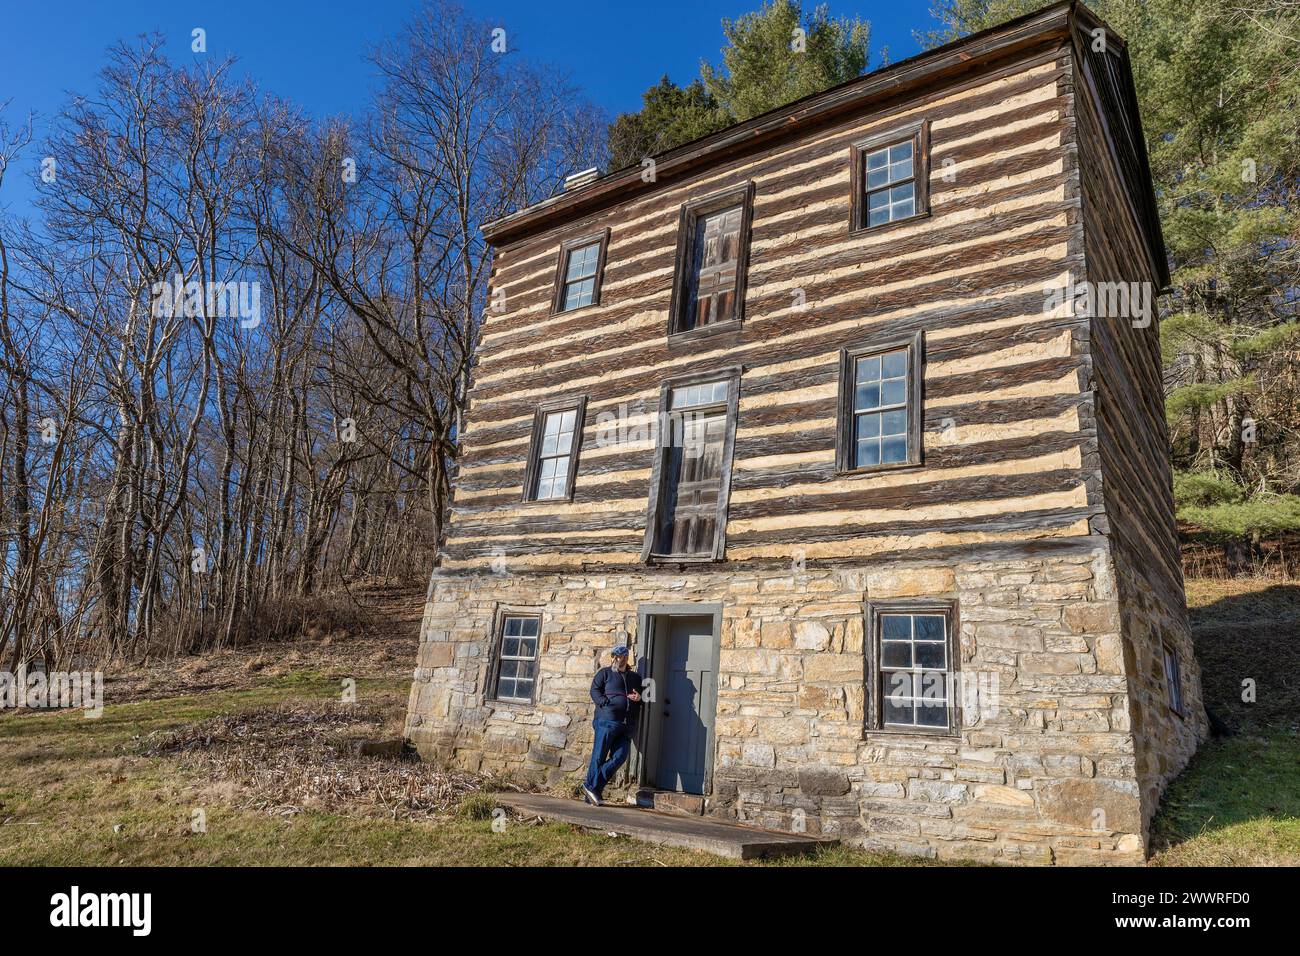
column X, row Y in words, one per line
column 666, row 801
column 730, row 840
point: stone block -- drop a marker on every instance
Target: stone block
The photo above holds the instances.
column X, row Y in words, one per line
column 910, row 582
column 823, row 782
column 1091, row 804
column 811, row 636
column 776, row 635
column 837, row 668
column 1091, row 618
column 758, row 755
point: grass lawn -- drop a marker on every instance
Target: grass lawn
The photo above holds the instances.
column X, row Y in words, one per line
column 1238, row 803
column 75, row 791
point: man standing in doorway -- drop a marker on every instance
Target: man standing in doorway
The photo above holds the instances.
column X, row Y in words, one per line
column 616, row 691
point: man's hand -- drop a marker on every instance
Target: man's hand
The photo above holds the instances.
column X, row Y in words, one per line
column 633, row 696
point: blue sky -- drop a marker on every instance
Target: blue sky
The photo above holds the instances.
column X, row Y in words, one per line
column 310, row 51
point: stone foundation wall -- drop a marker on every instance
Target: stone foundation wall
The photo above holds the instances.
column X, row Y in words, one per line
column 1164, row 741
column 1048, row 776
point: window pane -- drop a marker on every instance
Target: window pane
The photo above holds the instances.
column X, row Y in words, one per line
column 508, row 669
column 688, row 396
column 895, row 654
column 931, row 654
column 932, row 713
column 582, row 261
column 868, row 427
column 896, row 627
column 513, row 625
column 869, row 369
column 893, row 391
column 930, row 627
column 900, row 151
column 878, row 200
column 579, row 293
column 894, row 364
column 898, row 711
column 554, row 477
column 510, row 647
column 893, row 450
column 898, row 684
column 868, row 454
column 878, row 217
column 505, row 688
column 899, row 171
column 867, row 396
column 878, row 159
column 894, row 423
column 528, row 649
column 528, row 626
column 877, row 177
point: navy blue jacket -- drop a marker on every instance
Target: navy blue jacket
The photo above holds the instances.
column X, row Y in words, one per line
column 609, row 690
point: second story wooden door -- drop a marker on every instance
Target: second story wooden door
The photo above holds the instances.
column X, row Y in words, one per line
column 693, row 482
column 717, row 250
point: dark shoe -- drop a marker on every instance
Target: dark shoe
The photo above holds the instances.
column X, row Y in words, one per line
column 590, row 796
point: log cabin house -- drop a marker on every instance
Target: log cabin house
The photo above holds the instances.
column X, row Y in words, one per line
column 808, row 413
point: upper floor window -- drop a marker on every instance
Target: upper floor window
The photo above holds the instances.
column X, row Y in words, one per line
column 913, row 660
column 880, row 405
column 891, row 177
column 514, row 669
column 553, row 454
column 582, row 264
column 712, row 257
column 691, row 477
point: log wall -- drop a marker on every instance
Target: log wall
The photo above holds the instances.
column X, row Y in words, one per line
column 1004, row 413
column 1137, row 482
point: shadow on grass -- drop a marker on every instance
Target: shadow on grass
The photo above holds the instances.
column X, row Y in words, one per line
column 1239, row 799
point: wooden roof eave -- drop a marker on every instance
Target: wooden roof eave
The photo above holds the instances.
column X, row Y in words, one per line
column 924, row 70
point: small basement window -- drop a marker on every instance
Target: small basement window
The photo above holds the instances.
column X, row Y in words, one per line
column 516, row 660
column 913, row 667
column 1174, row 679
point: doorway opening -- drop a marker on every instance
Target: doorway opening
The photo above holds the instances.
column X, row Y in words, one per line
column 678, row 653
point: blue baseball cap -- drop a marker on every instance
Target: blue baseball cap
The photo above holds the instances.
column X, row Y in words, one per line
column 620, row 651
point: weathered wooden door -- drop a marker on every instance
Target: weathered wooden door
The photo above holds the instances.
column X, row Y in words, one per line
column 687, row 705
column 717, row 248
column 689, row 514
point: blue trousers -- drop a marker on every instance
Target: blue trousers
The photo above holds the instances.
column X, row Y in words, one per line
column 608, row 751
